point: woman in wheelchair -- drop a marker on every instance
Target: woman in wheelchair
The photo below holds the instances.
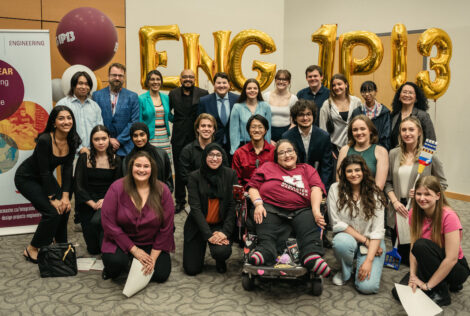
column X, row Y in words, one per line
column 356, row 209
column 212, row 216
column 288, row 194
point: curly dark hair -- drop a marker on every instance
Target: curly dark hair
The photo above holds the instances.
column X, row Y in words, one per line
column 302, row 105
column 73, row 139
column 369, row 191
column 109, row 150
column 421, row 101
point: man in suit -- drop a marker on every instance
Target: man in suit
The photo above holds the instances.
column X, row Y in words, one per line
column 119, row 108
column 313, row 144
column 184, row 102
column 219, row 104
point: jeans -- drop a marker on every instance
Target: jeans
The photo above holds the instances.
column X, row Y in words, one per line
column 346, row 248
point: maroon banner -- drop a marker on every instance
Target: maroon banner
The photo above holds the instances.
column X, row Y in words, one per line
column 18, row 215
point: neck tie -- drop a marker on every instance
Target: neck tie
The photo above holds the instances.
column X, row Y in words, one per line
column 223, row 112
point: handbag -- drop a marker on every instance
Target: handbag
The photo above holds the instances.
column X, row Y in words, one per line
column 57, row 260
column 330, row 126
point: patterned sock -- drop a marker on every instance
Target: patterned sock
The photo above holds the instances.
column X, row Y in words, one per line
column 315, row 263
column 256, row 258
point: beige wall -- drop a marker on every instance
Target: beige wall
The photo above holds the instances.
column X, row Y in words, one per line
column 303, row 17
column 203, row 17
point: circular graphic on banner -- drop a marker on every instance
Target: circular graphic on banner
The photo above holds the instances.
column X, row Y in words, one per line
column 8, row 153
column 25, row 124
column 11, row 90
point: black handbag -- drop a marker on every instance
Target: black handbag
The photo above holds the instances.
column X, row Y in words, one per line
column 57, row 260
column 330, row 126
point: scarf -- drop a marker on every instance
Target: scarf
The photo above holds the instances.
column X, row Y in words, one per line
column 211, row 181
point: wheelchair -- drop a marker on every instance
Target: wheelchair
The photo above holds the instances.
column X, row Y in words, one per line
column 246, row 233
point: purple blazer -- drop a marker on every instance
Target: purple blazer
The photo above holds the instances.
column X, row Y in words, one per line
column 125, row 227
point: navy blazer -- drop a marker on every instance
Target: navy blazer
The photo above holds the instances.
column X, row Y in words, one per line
column 319, row 151
column 208, row 104
column 126, row 112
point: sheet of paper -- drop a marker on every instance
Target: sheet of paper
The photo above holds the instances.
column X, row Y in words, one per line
column 417, row 303
column 136, row 280
column 403, row 230
column 85, row 264
column 98, row 265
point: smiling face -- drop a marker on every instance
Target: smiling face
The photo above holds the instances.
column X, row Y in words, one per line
column 408, row 95
column 221, row 86
column 63, row 122
column 339, row 87
column 252, row 91
column 305, row 119
column 314, row 80
column 206, row 129
column 361, row 132
column 155, row 83
column 409, row 133
column 100, row 141
column 116, row 78
column 187, row 79
column 282, row 83
column 354, row 174
column 139, row 138
column 427, row 199
column 286, row 156
column 141, row 169
column 82, row 89
column 369, row 96
column 257, row 130
column 214, row 159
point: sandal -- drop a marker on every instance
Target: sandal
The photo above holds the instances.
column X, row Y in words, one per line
column 28, row 257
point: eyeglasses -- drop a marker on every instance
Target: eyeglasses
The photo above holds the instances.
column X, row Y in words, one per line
column 214, row 156
column 367, row 92
column 282, row 79
column 257, row 127
column 407, row 92
column 288, row 151
column 305, row 114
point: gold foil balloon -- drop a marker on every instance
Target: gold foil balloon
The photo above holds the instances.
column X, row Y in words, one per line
column 150, row 58
column 350, row 66
column 325, row 36
column 195, row 55
column 399, row 41
column 240, row 42
column 440, row 63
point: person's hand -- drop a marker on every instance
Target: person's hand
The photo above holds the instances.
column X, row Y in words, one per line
column 364, row 270
column 218, row 238
column 400, row 208
column 411, row 194
column 66, row 205
column 57, row 204
column 260, row 213
column 334, row 155
column 115, row 143
column 98, row 204
column 273, row 143
column 85, row 150
column 142, row 256
column 379, row 252
column 415, row 282
column 148, row 268
column 319, row 220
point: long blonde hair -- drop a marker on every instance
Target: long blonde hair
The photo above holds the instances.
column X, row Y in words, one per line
column 402, row 145
column 418, row 215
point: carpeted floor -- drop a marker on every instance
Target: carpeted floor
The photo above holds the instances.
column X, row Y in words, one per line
column 23, row 292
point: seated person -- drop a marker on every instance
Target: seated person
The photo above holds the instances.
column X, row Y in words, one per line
column 356, row 208
column 137, row 218
column 140, row 136
column 190, row 158
column 252, row 155
column 437, row 263
column 286, row 194
column 94, row 173
column 212, row 217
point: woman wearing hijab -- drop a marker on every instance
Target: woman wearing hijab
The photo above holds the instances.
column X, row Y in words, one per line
column 140, row 135
column 212, row 217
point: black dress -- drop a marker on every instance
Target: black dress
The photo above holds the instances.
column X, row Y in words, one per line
column 35, row 180
column 92, row 184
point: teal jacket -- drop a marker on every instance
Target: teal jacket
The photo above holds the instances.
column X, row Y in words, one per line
column 147, row 112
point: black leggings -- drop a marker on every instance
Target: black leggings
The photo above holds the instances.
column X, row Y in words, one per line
column 429, row 257
column 53, row 226
column 92, row 234
column 194, row 251
column 118, row 262
column 275, row 229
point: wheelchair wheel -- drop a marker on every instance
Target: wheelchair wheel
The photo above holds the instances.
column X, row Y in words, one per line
column 317, row 286
column 247, row 282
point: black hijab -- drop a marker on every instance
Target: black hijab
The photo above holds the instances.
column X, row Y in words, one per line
column 139, row 126
column 212, row 181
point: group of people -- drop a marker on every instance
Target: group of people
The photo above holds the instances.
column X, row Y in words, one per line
column 288, row 152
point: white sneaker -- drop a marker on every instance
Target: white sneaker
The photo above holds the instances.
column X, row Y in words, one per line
column 338, row 279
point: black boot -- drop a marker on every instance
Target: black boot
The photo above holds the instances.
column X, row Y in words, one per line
column 403, row 281
column 440, row 294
